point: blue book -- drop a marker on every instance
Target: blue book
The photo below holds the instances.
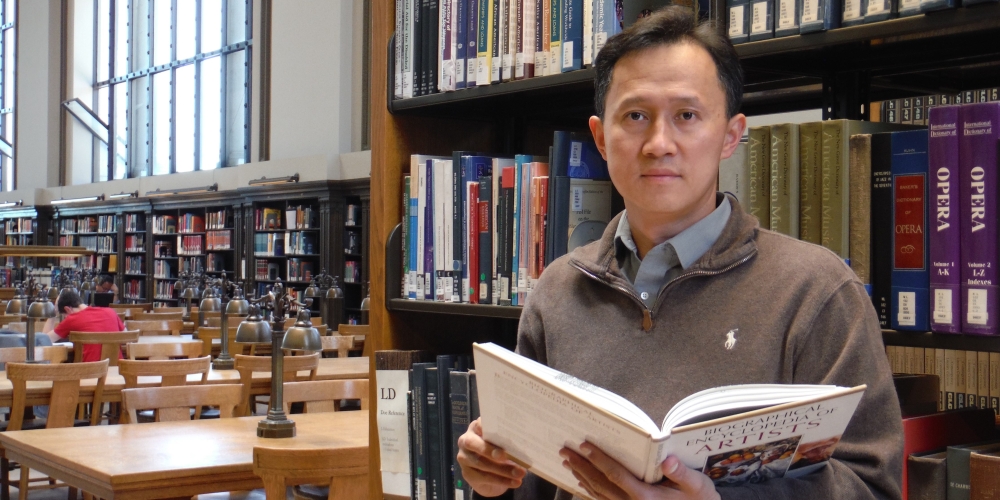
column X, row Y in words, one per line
column 739, row 20
column 880, row 10
column 788, row 18
column 411, row 292
column 473, row 165
column 572, row 35
column 910, row 294
column 461, row 40
column 761, row 19
column 472, row 35
column 820, row 15
column 605, row 23
column 910, row 8
column 429, row 274
column 853, row 12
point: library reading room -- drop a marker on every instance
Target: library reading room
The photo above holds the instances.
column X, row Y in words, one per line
column 515, row 249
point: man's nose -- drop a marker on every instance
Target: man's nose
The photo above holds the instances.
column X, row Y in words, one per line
column 660, row 141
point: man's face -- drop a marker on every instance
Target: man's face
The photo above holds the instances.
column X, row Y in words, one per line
column 664, row 132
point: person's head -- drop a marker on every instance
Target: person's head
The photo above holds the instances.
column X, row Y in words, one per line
column 106, row 284
column 68, row 301
column 667, row 94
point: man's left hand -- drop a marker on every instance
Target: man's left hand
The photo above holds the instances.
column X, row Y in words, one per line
column 606, row 479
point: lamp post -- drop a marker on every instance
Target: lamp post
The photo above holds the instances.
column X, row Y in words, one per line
column 210, row 302
column 42, row 308
column 237, row 306
column 301, row 336
column 366, row 305
column 19, row 304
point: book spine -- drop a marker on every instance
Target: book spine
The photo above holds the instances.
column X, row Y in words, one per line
column 473, row 242
column 572, row 35
column 393, row 385
column 761, row 20
column 788, row 18
column 485, row 239
column 543, row 205
column 971, row 379
column 820, row 15
column 397, row 77
column 945, row 234
column 994, row 384
column 910, row 276
column 472, row 40
column 460, row 41
column 484, row 42
column 588, row 32
column 406, row 237
column 555, row 37
column 424, row 26
column 542, row 58
column 459, row 424
column 524, row 234
column 445, row 456
column 530, row 38
column 860, row 202
column 446, row 63
column 418, row 386
column 784, row 179
column 432, row 433
column 433, row 47
column 411, row 433
column 429, row 274
column 983, row 379
column 512, row 37
column 950, row 378
column 810, row 167
column 408, row 44
column 606, row 23
column 507, row 288
column 414, row 204
column 739, row 20
column 835, row 222
column 978, row 191
column 497, row 38
column 520, row 45
column 880, row 10
column 558, row 221
column 457, row 230
column 759, row 157
column 881, row 225
column 441, row 249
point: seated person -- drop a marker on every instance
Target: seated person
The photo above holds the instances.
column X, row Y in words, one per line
column 80, row 318
column 107, row 285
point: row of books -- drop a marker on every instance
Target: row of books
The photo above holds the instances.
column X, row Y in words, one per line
column 215, row 262
column 268, row 244
column 135, row 222
column 22, row 239
column 299, row 269
column 352, row 272
column 189, row 245
column 424, row 405
column 297, row 217
column 163, row 248
column 134, row 289
column 353, row 215
column 219, row 240
column 967, row 378
column 966, row 471
column 163, row 290
column 135, row 243
column 267, row 270
column 101, row 244
column 481, row 229
column 752, row 20
column 21, row 225
column 89, row 224
column 216, row 219
column 164, row 224
column 135, row 264
column 913, row 110
column 101, row 263
column 191, row 223
column 301, row 243
column 163, row 269
column 191, row 265
column 446, row 45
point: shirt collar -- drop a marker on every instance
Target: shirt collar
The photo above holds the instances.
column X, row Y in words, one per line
column 690, row 244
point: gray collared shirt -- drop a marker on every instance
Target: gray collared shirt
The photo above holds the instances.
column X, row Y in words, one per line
column 666, row 260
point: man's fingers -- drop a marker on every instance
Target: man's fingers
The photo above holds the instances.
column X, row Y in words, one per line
column 594, row 480
column 506, row 469
column 618, row 475
column 688, row 480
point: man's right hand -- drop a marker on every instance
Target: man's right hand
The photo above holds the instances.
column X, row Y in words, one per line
column 485, row 467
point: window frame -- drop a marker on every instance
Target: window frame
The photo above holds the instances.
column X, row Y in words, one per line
column 8, row 176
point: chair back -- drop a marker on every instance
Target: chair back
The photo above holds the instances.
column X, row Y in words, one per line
column 157, row 315
column 65, row 396
column 6, row 319
column 172, row 372
column 234, row 321
column 22, row 326
column 280, row 466
column 175, row 403
column 340, row 344
column 155, row 326
column 146, row 307
column 292, row 365
column 7, row 293
column 323, row 395
column 110, row 343
column 163, row 350
column 360, row 333
column 54, row 354
column 208, row 333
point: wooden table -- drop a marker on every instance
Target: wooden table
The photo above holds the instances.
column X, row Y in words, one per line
column 175, row 459
column 38, row 392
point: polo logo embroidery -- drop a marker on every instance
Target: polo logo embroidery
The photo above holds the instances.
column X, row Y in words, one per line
column 731, row 338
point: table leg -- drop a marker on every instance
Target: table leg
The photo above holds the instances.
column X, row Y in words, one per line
column 349, row 486
column 274, row 486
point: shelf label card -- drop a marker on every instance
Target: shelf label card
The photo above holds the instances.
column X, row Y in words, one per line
column 735, row 22
column 567, row 56
column 852, row 9
column 759, row 23
column 909, row 4
column 810, row 11
column 907, row 315
column 786, row 14
column 942, row 306
column 977, row 312
column 877, row 6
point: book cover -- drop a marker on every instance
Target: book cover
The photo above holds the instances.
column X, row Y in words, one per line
column 810, row 171
column 472, row 41
column 459, row 424
column 761, row 20
column 572, row 35
column 881, row 225
column 739, row 20
column 983, row 379
column 820, row 15
column 910, row 274
column 971, row 379
column 958, row 466
column 860, row 202
column 938, row 430
column 928, row 478
column 759, row 157
column 512, row 389
column 393, row 380
column 734, row 175
column 945, row 232
column 485, row 239
column 978, row 191
column 785, row 179
column 788, row 18
column 880, row 10
column 854, row 14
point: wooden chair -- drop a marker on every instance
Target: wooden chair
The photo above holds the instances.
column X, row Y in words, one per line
column 6, row 319
column 340, row 344
column 156, row 315
column 323, row 395
column 7, row 293
column 54, row 354
column 65, row 398
column 360, row 333
column 22, row 326
column 172, row 373
column 234, row 321
column 248, row 365
column 163, row 350
column 173, row 325
column 175, row 403
column 208, row 333
column 110, row 343
column 147, row 307
column 339, row 469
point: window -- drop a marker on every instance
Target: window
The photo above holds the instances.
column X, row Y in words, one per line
column 172, row 85
column 7, row 63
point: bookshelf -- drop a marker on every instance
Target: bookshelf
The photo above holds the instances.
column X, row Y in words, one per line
column 837, row 71
column 24, row 226
column 134, row 287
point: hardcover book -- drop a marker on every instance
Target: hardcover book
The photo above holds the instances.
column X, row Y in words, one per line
column 759, row 158
column 810, row 182
column 808, row 422
column 761, row 20
column 945, row 232
column 860, row 202
column 734, row 175
column 938, row 430
column 820, row 15
column 928, row 478
column 854, row 13
column 978, row 191
column 785, row 179
column 739, row 21
column 788, row 18
column 881, row 225
column 880, row 10
column 393, row 380
column 910, row 276
column 983, row 479
column 958, row 466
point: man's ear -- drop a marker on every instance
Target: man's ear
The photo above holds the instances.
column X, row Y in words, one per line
column 597, row 130
column 734, row 132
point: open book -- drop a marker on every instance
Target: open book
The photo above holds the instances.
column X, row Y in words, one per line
column 734, row 434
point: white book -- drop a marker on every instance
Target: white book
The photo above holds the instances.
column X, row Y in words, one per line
column 496, row 72
column 527, row 63
column 588, row 32
column 425, row 276
column 397, row 77
column 440, row 247
column 532, row 411
column 446, row 65
column 511, row 47
column 484, row 32
column 407, row 40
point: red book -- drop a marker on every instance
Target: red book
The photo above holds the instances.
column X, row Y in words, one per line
column 544, row 225
column 938, row 430
column 473, row 204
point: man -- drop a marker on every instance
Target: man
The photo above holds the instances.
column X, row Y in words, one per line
column 684, row 292
column 80, row 318
column 107, row 285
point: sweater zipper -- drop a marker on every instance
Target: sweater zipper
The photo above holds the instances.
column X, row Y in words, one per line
column 647, row 314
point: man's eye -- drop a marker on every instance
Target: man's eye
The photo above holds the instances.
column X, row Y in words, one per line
column 635, row 116
column 687, row 115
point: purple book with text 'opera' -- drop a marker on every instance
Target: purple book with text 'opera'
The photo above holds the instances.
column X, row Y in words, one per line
column 944, row 226
column 979, row 130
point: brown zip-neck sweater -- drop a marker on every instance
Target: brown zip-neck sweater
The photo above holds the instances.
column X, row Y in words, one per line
column 799, row 316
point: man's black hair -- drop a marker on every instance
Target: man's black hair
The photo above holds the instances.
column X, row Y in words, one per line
column 68, row 298
column 670, row 25
column 107, row 279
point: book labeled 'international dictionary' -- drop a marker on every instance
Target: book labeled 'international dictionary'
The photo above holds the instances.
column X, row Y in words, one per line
column 532, row 411
column 944, row 229
column 978, row 210
column 910, row 274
